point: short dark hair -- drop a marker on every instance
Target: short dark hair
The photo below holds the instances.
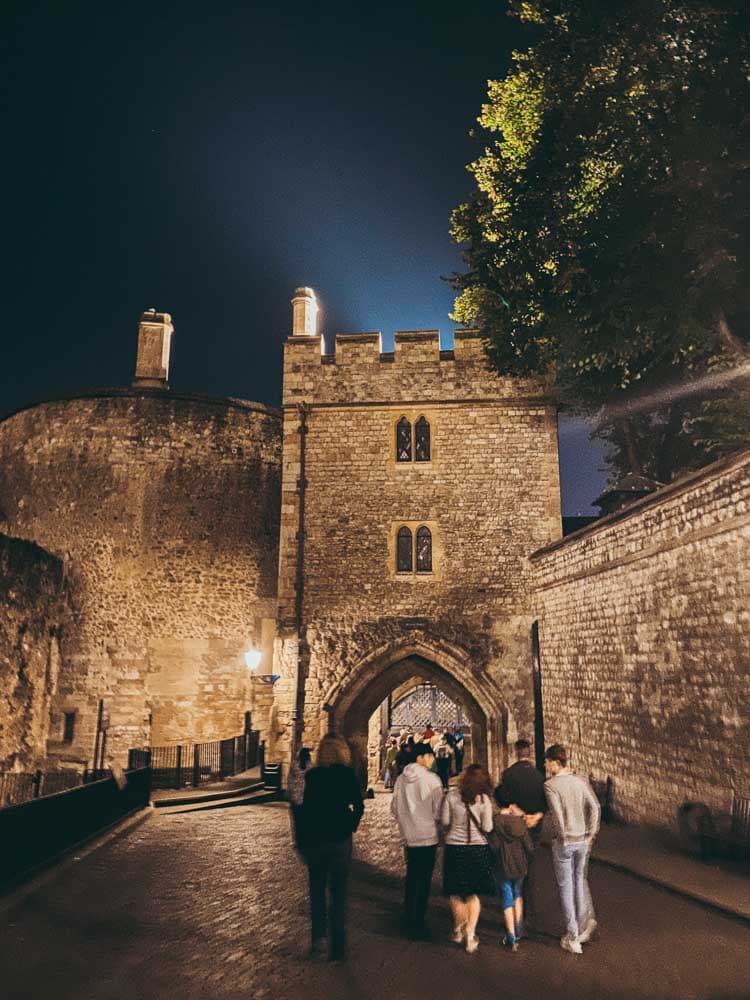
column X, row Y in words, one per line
column 420, row 749
column 523, row 748
column 557, row 752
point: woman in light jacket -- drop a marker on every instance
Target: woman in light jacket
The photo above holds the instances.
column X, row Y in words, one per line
column 468, row 865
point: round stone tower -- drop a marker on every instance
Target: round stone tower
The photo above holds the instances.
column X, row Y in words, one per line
column 165, row 508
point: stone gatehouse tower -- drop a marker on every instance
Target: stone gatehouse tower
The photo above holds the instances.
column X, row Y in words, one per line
column 415, row 485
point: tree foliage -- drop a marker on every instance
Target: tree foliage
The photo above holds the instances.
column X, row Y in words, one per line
column 607, row 240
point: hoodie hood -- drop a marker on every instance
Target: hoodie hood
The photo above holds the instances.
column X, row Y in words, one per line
column 416, row 803
column 412, row 772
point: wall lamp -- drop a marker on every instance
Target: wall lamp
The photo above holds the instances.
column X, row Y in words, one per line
column 252, row 662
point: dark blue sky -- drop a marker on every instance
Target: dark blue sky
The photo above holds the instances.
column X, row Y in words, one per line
column 206, row 159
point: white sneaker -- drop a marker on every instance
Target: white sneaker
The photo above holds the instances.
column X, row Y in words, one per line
column 458, row 934
column 588, row 931
column 472, row 943
column 571, row 944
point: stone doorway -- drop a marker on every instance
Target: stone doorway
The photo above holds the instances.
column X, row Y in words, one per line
column 413, row 706
column 361, row 713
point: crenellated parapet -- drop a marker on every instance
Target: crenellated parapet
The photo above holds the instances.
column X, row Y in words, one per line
column 417, row 369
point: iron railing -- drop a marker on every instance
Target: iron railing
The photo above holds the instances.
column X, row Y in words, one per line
column 193, row 764
column 35, row 832
column 17, row 787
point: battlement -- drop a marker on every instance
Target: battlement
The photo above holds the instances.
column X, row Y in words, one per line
column 417, row 369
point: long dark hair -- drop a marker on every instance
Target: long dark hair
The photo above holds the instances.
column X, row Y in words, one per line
column 304, row 757
column 473, row 782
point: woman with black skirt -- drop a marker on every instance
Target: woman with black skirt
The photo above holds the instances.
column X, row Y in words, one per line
column 468, row 865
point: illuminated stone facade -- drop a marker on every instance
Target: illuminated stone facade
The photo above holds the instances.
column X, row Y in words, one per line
column 351, row 627
column 181, row 531
column 34, row 610
column 644, row 634
column 165, row 508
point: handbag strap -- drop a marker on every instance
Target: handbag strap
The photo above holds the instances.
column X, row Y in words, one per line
column 475, row 821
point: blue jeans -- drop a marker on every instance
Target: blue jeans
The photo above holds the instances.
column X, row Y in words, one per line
column 510, row 890
column 571, row 864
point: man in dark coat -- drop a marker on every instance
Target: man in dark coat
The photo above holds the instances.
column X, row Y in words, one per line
column 522, row 785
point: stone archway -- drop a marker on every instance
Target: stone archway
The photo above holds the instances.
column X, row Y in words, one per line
column 351, row 702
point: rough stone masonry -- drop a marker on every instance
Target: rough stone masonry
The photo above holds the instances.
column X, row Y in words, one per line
column 644, row 636
column 180, row 530
column 351, row 625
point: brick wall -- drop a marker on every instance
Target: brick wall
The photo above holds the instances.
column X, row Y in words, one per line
column 167, row 508
column 645, row 644
column 490, row 495
column 33, row 612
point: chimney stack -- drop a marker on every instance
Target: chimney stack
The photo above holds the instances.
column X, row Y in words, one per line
column 304, row 313
column 154, row 339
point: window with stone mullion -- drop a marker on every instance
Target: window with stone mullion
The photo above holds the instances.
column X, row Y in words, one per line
column 424, row 550
column 404, row 550
column 403, row 440
column 422, row 440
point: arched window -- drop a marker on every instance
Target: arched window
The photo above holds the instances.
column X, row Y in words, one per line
column 422, row 440
column 403, row 440
column 403, row 550
column 424, row 550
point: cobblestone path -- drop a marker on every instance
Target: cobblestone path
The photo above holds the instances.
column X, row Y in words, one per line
column 213, row 904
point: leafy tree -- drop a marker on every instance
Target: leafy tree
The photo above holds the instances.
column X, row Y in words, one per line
column 607, row 241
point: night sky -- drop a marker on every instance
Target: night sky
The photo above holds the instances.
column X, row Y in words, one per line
column 207, row 159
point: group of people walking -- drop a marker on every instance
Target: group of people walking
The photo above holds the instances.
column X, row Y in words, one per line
column 447, row 747
column 492, row 839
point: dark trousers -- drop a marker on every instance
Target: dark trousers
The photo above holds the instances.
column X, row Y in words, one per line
column 420, row 862
column 444, row 770
column 328, row 867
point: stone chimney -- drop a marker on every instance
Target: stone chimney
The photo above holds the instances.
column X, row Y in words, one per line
column 154, row 339
column 304, row 313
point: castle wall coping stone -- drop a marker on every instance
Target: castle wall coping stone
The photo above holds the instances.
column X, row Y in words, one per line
column 507, row 402
column 671, row 490
column 167, row 395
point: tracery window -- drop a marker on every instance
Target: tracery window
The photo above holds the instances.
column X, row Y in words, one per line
column 422, row 440
column 403, row 440
column 424, row 550
column 404, row 550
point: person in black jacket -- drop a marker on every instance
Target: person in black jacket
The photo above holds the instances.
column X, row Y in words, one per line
column 522, row 784
column 331, row 811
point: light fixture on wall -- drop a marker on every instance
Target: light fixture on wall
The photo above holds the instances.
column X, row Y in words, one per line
column 252, row 662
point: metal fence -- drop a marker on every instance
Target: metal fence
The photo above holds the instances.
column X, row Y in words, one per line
column 23, row 786
column 195, row 763
column 35, row 832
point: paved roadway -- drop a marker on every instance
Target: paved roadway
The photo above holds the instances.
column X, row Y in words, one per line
column 213, row 905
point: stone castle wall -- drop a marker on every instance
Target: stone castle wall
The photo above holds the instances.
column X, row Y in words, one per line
column 34, row 611
column 644, row 623
column 166, row 507
column 490, row 495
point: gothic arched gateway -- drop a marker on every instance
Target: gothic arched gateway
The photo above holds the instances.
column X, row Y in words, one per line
column 351, row 704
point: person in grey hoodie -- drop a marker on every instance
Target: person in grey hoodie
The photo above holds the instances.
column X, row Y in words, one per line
column 416, row 803
column 574, row 811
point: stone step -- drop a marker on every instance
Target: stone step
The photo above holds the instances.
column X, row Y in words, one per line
column 192, row 798
column 255, row 798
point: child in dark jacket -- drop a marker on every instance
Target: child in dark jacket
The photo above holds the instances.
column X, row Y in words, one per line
column 515, row 850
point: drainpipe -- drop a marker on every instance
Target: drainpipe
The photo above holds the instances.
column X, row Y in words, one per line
column 303, row 411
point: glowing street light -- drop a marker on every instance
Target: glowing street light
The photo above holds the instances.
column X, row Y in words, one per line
column 252, row 659
column 252, row 662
